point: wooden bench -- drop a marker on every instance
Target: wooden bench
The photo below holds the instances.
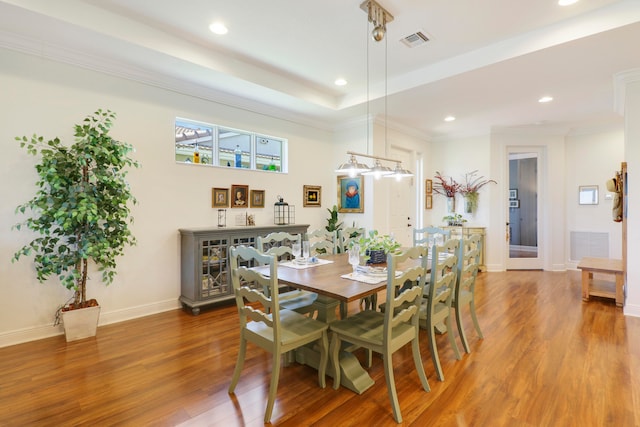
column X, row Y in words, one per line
column 602, row 288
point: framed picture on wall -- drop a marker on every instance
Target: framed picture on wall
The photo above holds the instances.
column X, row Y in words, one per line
column 514, row 203
column 428, row 186
column 312, row 196
column 428, row 201
column 257, row 198
column 513, row 194
column 350, row 194
column 240, row 196
column 220, row 197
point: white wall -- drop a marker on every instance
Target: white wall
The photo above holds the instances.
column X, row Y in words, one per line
column 48, row 98
column 632, row 153
column 605, row 150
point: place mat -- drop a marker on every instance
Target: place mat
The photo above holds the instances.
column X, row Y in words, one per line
column 367, row 278
column 299, row 265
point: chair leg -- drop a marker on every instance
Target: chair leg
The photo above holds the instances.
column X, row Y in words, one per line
column 463, row 336
column 239, row 363
column 472, row 306
column 324, row 356
column 434, row 352
column 273, row 388
column 452, row 339
column 417, row 360
column 391, row 386
column 335, row 359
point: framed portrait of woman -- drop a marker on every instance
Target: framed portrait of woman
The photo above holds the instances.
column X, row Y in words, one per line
column 350, row 194
column 239, row 196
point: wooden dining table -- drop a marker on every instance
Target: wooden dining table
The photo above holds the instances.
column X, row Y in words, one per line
column 325, row 280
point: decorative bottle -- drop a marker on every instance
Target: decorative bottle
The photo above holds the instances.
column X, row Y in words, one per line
column 196, row 155
column 238, row 153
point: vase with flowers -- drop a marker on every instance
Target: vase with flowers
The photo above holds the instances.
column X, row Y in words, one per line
column 469, row 190
column 447, row 187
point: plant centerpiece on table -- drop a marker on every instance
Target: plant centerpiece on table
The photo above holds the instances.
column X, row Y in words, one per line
column 81, row 209
column 448, row 187
column 469, row 190
column 375, row 247
column 454, row 220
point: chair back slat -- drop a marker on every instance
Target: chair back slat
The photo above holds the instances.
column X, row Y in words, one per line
column 443, row 272
column 348, row 235
column 277, row 239
column 266, row 295
column 322, row 242
column 403, row 304
column 421, row 235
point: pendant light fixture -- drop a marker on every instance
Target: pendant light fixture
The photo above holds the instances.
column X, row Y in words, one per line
column 379, row 17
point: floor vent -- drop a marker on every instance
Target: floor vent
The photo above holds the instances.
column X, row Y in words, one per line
column 589, row 244
column 416, row 39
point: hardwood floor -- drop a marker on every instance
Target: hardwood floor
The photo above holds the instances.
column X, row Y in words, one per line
column 547, row 359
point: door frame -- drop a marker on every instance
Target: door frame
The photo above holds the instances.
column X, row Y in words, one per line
column 536, row 263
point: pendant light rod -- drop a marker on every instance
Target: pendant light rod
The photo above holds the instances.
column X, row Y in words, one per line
column 373, row 157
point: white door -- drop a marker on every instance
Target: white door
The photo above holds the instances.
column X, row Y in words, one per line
column 523, row 226
column 402, row 200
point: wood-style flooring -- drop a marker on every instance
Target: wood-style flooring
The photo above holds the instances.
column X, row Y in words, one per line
column 547, row 359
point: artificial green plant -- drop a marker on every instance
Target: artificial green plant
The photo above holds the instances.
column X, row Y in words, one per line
column 81, row 208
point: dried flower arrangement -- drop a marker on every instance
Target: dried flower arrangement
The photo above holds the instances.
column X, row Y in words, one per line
column 473, row 183
column 445, row 186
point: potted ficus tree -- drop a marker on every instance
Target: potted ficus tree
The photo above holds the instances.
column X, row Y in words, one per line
column 80, row 212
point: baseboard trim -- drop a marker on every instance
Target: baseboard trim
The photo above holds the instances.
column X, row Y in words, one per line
column 40, row 332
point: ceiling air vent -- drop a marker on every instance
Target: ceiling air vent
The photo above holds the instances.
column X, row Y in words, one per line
column 416, row 39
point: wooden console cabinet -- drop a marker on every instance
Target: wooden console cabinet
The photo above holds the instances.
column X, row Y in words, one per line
column 204, row 260
column 466, row 232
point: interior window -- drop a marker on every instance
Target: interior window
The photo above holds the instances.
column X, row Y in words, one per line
column 208, row 144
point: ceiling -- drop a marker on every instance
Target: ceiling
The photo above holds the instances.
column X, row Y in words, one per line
column 487, row 62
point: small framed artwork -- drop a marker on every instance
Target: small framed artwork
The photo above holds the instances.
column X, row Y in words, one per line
column 240, row 196
column 220, row 197
column 428, row 201
column 257, row 198
column 428, row 187
column 588, row 195
column 514, row 203
column 312, row 196
column 350, row 194
column 513, row 194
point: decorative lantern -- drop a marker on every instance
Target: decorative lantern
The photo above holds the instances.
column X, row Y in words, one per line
column 283, row 213
column 222, row 217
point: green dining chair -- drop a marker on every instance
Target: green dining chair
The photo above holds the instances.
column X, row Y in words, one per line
column 387, row 332
column 323, row 242
column 421, row 235
column 264, row 323
column 279, row 244
column 436, row 305
column 468, row 264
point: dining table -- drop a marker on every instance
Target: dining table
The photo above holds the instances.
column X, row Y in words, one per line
column 332, row 278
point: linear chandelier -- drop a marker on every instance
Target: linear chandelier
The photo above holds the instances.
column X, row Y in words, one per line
column 379, row 17
column 353, row 167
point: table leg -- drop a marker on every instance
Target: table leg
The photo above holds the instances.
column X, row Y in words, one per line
column 586, row 275
column 619, row 289
column 352, row 375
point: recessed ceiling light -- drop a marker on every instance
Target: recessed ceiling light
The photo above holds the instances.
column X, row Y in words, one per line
column 340, row 82
column 567, row 2
column 545, row 99
column 218, row 28
column 449, row 119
